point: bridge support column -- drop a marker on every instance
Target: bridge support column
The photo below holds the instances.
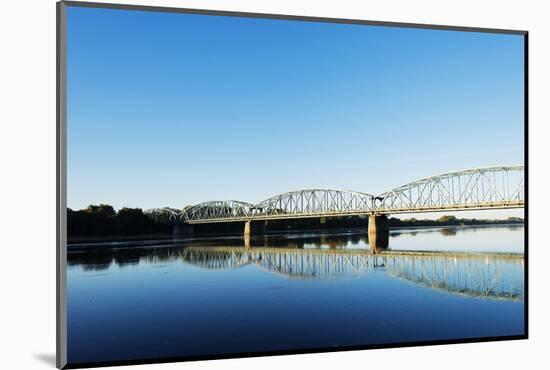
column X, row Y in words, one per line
column 378, row 223
column 254, row 228
column 378, row 232
column 184, row 230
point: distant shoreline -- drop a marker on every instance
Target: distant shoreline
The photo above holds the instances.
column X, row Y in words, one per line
column 457, row 226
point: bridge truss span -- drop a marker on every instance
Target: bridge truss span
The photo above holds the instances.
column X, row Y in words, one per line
column 481, row 188
column 495, row 187
column 217, row 211
column 314, row 203
column 165, row 214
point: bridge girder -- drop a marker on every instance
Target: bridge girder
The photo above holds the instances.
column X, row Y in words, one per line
column 479, row 188
column 314, row 203
column 217, row 210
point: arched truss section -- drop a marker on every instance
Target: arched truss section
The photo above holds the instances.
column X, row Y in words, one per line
column 480, row 188
column 219, row 210
column 165, row 214
column 314, row 203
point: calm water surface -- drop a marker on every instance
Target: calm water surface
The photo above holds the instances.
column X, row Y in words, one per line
column 155, row 298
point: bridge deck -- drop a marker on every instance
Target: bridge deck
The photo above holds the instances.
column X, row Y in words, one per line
column 283, row 216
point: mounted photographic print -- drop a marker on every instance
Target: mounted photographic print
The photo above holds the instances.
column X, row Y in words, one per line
column 235, row 184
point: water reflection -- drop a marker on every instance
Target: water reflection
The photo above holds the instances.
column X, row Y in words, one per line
column 479, row 274
column 482, row 275
column 454, row 230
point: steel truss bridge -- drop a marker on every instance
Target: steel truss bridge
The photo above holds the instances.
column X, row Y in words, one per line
column 496, row 187
column 490, row 275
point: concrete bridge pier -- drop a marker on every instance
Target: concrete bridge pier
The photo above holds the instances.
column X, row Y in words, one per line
column 379, row 234
column 378, row 223
column 184, row 230
column 254, row 228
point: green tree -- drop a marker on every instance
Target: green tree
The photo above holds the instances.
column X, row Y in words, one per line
column 102, row 209
column 447, row 220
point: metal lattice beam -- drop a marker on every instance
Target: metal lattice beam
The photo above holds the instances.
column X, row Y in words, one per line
column 480, row 188
column 216, row 211
column 313, row 203
column 165, row 214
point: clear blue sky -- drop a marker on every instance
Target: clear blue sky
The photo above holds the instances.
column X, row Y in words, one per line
column 174, row 109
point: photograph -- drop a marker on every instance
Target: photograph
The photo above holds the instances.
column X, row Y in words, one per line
column 239, row 184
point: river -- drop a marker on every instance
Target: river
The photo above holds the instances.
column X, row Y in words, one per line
column 208, row 296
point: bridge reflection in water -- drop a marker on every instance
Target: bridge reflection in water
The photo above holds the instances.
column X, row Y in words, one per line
column 494, row 275
column 325, row 256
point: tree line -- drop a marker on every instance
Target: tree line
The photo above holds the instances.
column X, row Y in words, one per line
column 103, row 220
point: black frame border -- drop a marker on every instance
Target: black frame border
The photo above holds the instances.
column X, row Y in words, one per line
column 61, row 183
